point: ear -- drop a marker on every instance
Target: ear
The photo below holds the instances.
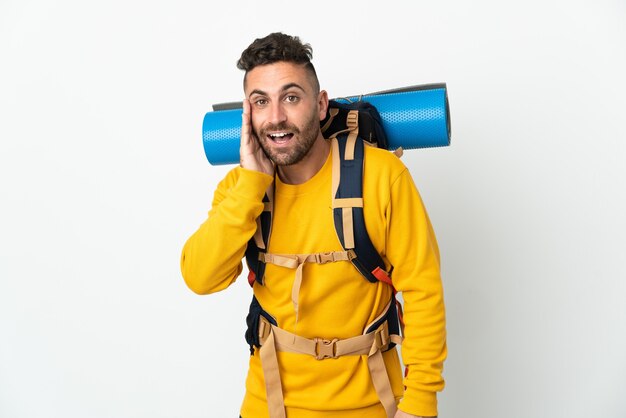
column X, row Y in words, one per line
column 322, row 102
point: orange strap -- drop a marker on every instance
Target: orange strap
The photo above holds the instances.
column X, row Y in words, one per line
column 251, row 278
column 384, row 277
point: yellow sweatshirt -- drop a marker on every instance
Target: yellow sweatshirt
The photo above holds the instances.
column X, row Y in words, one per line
column 335, row 300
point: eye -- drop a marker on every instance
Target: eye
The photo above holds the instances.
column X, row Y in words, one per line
column 260, row 102
column 292, row 98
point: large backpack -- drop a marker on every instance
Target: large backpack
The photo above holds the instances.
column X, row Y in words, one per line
column 349, row 126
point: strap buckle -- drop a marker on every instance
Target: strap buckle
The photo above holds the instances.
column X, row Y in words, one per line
column 264, row 329
column 325, row 348
column 381, row 336
column 323, row 258
column 352, row 120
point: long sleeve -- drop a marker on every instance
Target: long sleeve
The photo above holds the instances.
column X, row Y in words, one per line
column 412, row 249
column 211, row 257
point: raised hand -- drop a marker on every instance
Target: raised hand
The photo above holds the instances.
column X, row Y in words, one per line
column 251, row 155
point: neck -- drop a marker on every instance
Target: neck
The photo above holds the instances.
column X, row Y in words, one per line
column 306, row 168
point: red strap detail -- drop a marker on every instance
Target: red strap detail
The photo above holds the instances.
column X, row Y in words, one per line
column 383, row 276
column 251, row 278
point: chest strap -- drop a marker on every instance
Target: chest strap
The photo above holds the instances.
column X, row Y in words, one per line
column 372, row 344
column 296, row 261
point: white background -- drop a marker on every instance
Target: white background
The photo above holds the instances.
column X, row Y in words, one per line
column 103, row 177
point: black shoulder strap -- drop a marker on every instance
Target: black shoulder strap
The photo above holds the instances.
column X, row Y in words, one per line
column 348, row 155
column 259, row 243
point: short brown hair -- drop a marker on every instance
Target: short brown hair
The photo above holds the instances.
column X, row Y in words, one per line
column 277, row 47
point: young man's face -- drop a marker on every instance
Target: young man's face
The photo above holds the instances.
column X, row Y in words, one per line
column 285, row 109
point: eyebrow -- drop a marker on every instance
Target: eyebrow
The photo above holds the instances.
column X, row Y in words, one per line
column 283, row 88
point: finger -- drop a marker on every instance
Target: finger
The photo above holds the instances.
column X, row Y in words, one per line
column 245, row 123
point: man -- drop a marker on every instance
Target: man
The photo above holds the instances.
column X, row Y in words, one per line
column 283, row 151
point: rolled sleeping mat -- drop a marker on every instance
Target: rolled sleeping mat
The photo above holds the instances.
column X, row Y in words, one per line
column 413, row 117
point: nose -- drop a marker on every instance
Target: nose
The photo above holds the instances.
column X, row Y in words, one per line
column 277, row 113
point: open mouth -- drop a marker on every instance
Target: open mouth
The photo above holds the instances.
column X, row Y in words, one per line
column 280, row 137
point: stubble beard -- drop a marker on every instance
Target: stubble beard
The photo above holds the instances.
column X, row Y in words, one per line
column 303, row 141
